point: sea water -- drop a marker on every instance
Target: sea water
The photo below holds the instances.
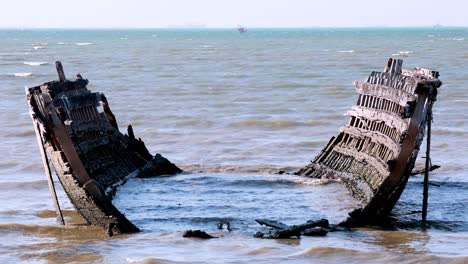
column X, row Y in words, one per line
column 231, row 110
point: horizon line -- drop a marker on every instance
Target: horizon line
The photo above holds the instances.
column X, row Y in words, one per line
column 170, row 27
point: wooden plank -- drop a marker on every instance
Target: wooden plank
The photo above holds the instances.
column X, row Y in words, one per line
column 48, row 173
column 271, row 223
column 60, row 72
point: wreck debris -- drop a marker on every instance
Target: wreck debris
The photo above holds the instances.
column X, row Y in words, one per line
column 375, row 152
column 197, row 234
column 221, row 226
column 423, row 170
column 90, row 156
column 270, row 223
column 48, row 173
column 315, row 231
column 310, row 228
column 158, row 166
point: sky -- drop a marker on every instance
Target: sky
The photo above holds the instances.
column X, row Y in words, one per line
column 228, row 14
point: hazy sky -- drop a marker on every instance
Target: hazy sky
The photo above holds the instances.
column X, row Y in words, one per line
column 223, row 13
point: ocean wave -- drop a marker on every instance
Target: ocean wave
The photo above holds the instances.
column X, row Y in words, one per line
column 273, row 123
column 35, row 63
column 193, row 122
column 53, row 214
column 450, row 131
column 64, row 232
column 261, row 169
column 83, row 43
column 234, row 75
column 290, row 85
column 310, row 75
column 277, row 181
column 38, row 47
column 313, row 144
column 263, row 250
column 346, row 51
column 339, row 254
column 149, row 260
column 332, row 251
column 458, row 39
column 402, row 53
column 30, row 185
column 168, row 75
column 10, row 212
column 22, row 74
column 27, row 133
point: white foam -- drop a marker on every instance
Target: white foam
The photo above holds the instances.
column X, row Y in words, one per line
column 402, row 53
column 459, row 39
column 35, row 63
column 346, row 51
column 22, row 74
column 84, row 43
column 61, row 43
column 138, row 260
column 38, row 47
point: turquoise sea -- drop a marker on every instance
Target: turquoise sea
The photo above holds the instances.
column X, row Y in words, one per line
column 231, row 110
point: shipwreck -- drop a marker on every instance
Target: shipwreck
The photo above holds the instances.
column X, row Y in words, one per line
column 373, row 155
column 78, row 134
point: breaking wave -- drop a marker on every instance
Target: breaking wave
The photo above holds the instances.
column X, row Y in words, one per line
column 35, row 63
column 265, row 169
column 22, row 74
column 83, row 43
column 149, row 260
column 402, row 53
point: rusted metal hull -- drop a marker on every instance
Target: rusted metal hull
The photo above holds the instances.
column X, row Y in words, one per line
column 90, row 156
column 375, row 152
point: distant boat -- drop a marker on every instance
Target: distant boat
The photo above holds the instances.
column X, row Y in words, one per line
column 241, row 29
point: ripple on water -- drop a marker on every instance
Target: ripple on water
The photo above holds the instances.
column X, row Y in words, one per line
column 274, row 123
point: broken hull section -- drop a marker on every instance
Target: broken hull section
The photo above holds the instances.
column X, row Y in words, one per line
column 374, row 154
column 89, row 154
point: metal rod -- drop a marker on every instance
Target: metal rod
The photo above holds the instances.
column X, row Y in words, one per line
column 428, row 165
column 48, row 173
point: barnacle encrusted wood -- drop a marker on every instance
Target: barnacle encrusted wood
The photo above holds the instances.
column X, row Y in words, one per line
column 375, row 152
column 91, row 157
